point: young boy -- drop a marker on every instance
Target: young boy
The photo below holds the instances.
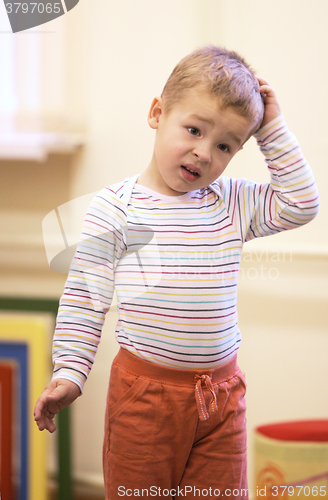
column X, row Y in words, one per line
column 171, row 239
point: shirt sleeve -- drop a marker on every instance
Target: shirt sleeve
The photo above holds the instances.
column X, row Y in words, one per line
column 288, row 201
column 89, row 288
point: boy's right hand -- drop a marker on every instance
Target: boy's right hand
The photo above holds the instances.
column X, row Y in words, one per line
column 56, row 396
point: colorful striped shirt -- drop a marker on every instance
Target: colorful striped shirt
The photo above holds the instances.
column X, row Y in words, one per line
column 174, row 262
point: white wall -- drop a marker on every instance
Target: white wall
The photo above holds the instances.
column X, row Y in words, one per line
column 113, row 57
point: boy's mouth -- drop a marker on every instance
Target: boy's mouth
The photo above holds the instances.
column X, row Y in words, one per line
column 191, row 171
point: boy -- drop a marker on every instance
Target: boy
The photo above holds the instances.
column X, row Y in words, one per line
column 175, row 421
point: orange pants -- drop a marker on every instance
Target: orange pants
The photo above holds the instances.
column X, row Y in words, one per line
column 174, row 433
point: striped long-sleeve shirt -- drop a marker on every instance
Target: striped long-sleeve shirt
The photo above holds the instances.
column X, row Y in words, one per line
column 174, row 262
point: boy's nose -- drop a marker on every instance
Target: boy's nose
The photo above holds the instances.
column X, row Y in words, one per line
column 203, row 154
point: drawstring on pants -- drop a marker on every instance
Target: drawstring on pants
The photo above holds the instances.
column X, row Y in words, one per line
column 200, row 400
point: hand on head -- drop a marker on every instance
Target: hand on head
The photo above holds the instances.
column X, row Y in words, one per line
column 271, row 104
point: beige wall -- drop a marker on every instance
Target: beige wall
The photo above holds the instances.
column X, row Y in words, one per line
column 100, row 71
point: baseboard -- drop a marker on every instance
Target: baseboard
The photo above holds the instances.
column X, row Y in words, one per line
column 90, row 479
column 89, row 487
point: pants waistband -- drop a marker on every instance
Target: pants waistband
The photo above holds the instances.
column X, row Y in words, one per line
column 160, row 373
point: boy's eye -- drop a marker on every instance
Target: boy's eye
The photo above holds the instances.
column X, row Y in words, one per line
column 223, row 147
column 193, row 130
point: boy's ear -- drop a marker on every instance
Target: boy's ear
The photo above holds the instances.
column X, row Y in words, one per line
column 155, row 112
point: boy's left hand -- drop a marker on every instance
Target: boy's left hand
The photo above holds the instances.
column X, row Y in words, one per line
column 271, row 105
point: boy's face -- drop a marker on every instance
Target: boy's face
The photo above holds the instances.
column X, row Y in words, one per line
column 194, row 143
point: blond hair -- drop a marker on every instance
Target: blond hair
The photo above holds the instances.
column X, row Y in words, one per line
column 222, row 73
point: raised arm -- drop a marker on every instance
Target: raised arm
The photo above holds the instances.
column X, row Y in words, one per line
column 291, row 197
